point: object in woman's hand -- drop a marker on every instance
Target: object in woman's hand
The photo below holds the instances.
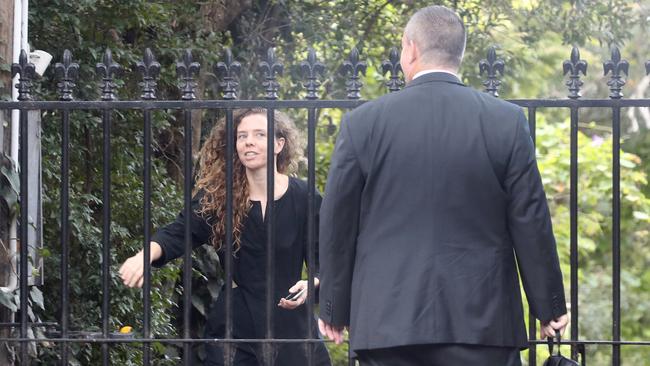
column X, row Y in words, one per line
column 295, row 296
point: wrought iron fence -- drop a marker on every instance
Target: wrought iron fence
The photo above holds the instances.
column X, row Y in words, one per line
column 312, row 70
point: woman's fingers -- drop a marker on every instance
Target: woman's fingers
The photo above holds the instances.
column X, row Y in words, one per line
column 294, row 303
column 298, row 286
column 301, row 288
column 288, row 304
column 131, row 272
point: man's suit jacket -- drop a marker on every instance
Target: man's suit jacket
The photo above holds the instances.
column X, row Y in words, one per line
column 433, row 200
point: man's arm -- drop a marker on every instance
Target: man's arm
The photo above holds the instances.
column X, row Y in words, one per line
column 339, row 225
column 529, row 223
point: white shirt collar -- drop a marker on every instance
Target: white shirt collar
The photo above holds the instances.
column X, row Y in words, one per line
column 429, row 71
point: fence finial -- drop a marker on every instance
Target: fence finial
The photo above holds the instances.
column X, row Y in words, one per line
column 270, row 67
column 67, row 72
column 354, row 67
column 393, row 66
column 150, row 69
column 27, row 72
column 229, row 71
column 108, row 69
column 492, row 65
column 311, row 68
column 574, row 67
column 185, row 69
column 617, row 67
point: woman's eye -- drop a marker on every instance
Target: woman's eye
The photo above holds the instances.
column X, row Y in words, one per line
column 261, row 134
column 241, row 137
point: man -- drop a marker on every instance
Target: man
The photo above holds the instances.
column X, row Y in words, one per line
column 433, row 201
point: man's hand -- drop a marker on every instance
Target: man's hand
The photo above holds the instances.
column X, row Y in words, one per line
column 548, row 329
column 331, row 331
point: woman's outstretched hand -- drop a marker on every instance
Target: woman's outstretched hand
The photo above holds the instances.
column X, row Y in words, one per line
column 301, row 288
column 132, row 270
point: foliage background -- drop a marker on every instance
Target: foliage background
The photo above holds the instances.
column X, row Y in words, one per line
column 533, row 38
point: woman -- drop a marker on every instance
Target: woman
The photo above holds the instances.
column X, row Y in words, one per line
column 249, row 247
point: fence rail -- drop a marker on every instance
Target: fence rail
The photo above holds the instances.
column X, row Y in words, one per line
column 312, row 70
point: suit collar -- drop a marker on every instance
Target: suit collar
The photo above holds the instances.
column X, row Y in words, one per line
column 435, row 77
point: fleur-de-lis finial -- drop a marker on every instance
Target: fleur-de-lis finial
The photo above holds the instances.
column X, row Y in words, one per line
column 492, row 65
column 270, row 68
column 67, row 72
column 354, row 67
column 185, row 70
column 617, row 67
column 108, row 69
column 229, row 71
column 393, row 66
column 150, row 69
column 27, row 72
column 311, row 68
column 574, row 67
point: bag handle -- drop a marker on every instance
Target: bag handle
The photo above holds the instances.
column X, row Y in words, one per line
column 550, row 342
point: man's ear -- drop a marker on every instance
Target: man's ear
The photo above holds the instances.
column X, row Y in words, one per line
column 414, row 52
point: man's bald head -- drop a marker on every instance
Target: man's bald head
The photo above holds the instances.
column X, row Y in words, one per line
column 439, row 34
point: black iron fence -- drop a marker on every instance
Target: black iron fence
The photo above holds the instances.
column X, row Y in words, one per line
column 312, row 70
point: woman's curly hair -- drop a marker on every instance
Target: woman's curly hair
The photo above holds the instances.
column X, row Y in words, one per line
column 211, row 176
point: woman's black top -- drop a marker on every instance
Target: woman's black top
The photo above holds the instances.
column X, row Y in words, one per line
column 249, row 270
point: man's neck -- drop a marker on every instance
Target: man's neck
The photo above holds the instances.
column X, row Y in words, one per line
column 428, row 70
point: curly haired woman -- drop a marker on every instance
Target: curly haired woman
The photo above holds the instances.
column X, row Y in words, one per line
column 249, row 247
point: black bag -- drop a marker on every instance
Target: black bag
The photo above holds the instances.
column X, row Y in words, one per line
column 558, row 359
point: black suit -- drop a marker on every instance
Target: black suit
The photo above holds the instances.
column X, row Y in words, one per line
column 433, row 198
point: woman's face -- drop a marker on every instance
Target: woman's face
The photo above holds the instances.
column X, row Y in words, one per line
column 252, row 142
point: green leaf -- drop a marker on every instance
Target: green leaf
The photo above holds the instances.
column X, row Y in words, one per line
column 37, row 297
column 9, row 183
column 6, row 299
column 197, row 301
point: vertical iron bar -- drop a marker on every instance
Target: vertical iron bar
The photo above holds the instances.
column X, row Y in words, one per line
column 351, row 361
column 65, row 229
column 270, row 257
column 532, row 334
column 532, row 123
column 532, row 321
column 573, row 208
column 311, row 227
column 616, row 235
column 24, row 224
column 228, row 241
column 106, row 240
column 187, row 260
column 146, row 323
